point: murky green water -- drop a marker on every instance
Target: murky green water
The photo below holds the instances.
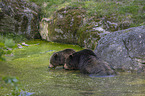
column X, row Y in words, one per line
column 63, row 83
column 30, row 65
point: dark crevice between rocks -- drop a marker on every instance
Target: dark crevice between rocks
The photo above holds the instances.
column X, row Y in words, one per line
column 124, row 42
column 126, row 48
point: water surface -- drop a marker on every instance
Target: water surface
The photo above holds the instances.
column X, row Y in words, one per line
column 30, row 65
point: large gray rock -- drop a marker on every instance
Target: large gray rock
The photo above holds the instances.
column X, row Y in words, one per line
column 124, row 49
column 19, row 17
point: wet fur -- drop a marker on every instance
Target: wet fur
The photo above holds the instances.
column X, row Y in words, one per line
column 59, row 58
column 88, row 63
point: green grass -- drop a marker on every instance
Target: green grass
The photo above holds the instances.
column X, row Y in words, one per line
column 121, row 10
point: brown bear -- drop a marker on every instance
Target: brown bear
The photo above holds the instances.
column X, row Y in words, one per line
column 59, row 58
column 88, row 63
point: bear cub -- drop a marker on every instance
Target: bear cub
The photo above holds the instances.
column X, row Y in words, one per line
column 88, row 63
column 59, row 58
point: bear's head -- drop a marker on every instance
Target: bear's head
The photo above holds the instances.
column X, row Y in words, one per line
column 56, row 60
column 70, row 63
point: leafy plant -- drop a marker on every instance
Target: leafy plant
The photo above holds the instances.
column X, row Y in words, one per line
column 17, row 38
column 1, row 53
column 1, row 48
column 9, row 43
column 13, row 82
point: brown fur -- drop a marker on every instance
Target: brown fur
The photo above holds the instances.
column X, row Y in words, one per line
column 88, row 63
column 59, row 58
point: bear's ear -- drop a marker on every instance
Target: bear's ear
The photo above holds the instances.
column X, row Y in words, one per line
column 55, row 55
column 70, row 56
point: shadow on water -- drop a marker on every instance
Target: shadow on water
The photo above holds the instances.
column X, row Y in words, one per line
column 94, row 75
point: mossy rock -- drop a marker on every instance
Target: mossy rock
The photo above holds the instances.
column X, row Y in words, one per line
column 65, row 24
column 70, row 25
column 20, row 18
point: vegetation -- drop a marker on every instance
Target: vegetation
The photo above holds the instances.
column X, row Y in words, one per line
column 1, row 53
column 12, row 83
column 8, row 43
column 1, row 47
column 118, row 10
column 30, row 65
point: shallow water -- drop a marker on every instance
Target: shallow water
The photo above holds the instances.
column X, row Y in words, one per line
column 30, row 65
column 64, row 83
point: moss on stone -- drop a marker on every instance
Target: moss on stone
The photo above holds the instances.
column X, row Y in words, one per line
column 65, row 24
column 70, row 25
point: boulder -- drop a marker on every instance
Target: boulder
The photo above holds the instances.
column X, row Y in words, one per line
column 124, row 49
column 19, row 17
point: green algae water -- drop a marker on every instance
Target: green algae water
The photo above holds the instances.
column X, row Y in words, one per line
column 30, row 65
